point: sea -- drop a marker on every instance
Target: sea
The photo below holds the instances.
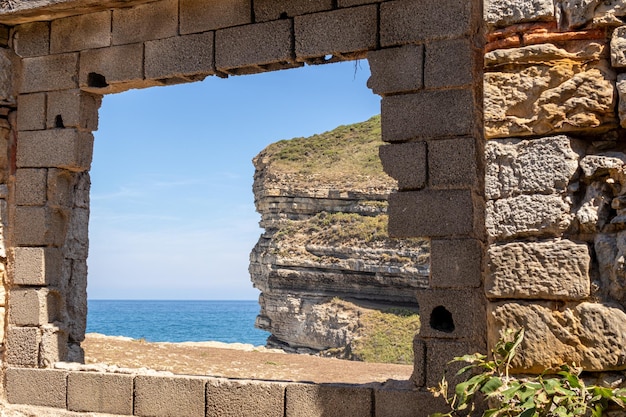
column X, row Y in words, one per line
column 177, row 321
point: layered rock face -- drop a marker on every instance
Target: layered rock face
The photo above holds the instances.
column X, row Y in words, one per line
column 556, row 180
column 322, row 202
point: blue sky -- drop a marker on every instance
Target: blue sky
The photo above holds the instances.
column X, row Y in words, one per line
column 172, row 210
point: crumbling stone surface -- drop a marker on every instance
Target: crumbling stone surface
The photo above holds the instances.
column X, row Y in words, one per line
column 506, row 12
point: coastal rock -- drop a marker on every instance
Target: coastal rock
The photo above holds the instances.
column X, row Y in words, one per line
column 505, row 12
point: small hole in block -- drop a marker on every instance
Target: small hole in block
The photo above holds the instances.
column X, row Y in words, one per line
column 441, row 319
column 58, row 122
column 96, row 80
column 283, row 15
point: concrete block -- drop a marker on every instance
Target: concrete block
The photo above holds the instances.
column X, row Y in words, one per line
column 451, row 63
column 114, row 65
column 244, row 398
column 265, row 10
column 201, row 16
column 100, row 392
column 145, row 22
column 77, row 239
column 434, row 213
column 77, row 33
column 32, row 111
column 60, row 188
column 54, row 345
column 456, row 263
column 407, row 403
column 411, row 21
column 328, row 401
column 30, row 187
column 37, row 266
column 453, row 163
column 189, row 55
column 73, row 108
column 32, row 39
column 405, row 162
column 33, row 307
column 43, row 387
column 161, row 396
column 441, row 352
column 444, row 317
column 49, row 73
column 429, row 114
column 22, row 346
column 58, row 148
column 396, row 70
column 418, row 377
column 336, row 32
column 250, row 45
column 39, row 226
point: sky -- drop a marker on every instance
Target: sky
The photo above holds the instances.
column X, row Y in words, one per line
column 172, row 209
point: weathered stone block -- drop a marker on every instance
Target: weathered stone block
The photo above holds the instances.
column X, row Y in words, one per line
column 588, row 334
column 43, row 387
column 406, row 163
column 528, row 215
column 340, row 31
column 327, row 400
column 407, row 403
column 505, row 13
column 411, row 21
column 36, row 266
column 534, row 166
column 441, row 352
column 30, row 187
column 155, row 20
column 451, row 63
column 244, row 398
column 189, row 55
column 60, row 187
column 453, row 163
column 77, row 238
column 32, row 39
column 418, row 376
column 396, row 70
column 53, row 347
column 621, row 92
column 32, row 111
column 115, row 65
column 575, row 14
column 279, row 9
column 100, row 392
column 49, row 73
column 77, row 33
column 23, row 346
column 201, row 16
column 456, row 263
column 250, row 45
column 433, row 213
column 58, row 148
column 38, row 226
column 551, row 270
column 33, row 307
column 429, row 114
column 73, row 108
column 161, row 396
column 618, row 47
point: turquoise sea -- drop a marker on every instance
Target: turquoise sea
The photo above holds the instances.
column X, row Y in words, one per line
column 177, row 321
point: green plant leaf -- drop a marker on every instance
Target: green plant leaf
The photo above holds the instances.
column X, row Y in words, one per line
column 529, row 412
column 491, row 385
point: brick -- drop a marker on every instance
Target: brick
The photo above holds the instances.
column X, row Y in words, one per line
column 433, row 213
column 250, row 45
column 201, row 16
column 37, row 266
column 327, row 400
column 49, row 73
column 39, row 226
column 42, row 387
column 441, row 352
column 407, row 403
column 60, row 148
column 444, row 317
column 453, row 163
column 30, row 187
column 32, row 39
column 451, row 63
column 22, row 346
column 429, row 114
column 77, row 33
column 396, row 70
column 265, row 10
column 244, row 398
column 145, row 22
column 406, row 163
column 117, row 64
column 336, row 32
column 73, row 108
column 32, row 111
column 188, row 55
column 456, row 263
column 33, row 307
column 160, row 396
column 411, row 21
column 100, row 393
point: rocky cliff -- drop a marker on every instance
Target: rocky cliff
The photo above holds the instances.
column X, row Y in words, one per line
column 323, row 205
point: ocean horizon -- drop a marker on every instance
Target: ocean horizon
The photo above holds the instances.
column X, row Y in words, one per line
column 228, row 321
